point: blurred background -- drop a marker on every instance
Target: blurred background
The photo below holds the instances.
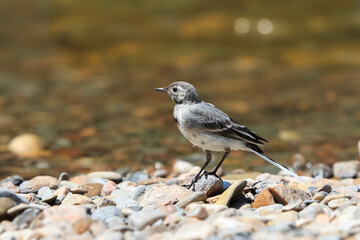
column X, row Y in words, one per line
column 80, row 75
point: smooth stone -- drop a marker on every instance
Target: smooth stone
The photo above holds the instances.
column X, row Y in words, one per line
column 195, row 230
column 128, row 191
column 146, row 217
column 265, row 198
column 159, row 195
column 22, row 207
column 347, row 169
column 285, row 217
column 285, row 194
column 82, row 225
column 103, row 202
column 84, row 179
column 127, row 203
column 234, row 190
column 113, row 176
column 321, row 170
column 349, row 213
column 61, row 193
column 108, row 188
column 338, row 202
column 230, row 222
column 296, row 205
column 64, row 176
column 93, row 189
column 24, row 219
column 275, row 208
column 210, row 185
column 76, row 199
column 45, row 192
column 50, row 199
column 181, row 166
column 116, row 223
column 151, row 181
column 319, row 196
column 15, row 179
column 26, row 145
column 101, row 214
column 5, row 205
column 137, row 177
column 5, row 193
column 330, row 197
column 160, row 173
column 325, row 188
column 33, row 185
column 311, row 211
column 198, row 212
column 68, row 184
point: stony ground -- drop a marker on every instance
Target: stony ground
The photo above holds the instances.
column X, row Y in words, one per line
column 154, row 205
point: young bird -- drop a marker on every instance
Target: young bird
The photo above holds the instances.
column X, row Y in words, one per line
column 208, row 128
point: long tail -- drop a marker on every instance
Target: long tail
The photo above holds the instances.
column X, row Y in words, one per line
column 278, row 165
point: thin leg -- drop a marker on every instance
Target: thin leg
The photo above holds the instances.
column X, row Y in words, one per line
column 196, row 178
column 213, row 172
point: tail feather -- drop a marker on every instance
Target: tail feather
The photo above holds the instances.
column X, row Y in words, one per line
column 278, row 165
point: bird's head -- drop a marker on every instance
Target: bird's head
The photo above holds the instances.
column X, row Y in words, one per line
column 181, row 92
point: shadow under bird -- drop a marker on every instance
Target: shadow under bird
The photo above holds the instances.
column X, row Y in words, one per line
column 209, row 128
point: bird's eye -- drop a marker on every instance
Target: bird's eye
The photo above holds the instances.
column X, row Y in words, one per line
column 174, row 89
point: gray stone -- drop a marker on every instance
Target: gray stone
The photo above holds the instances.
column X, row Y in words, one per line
column 139, row 220
column 210, row 185
column 23, row 220
column 44, row 193
column 33, row 185
column 321, row 170
column 326, row 188
column 103, row 213
column 16, row 180
column 311, row 211
column 115, row 222
column 137, row 177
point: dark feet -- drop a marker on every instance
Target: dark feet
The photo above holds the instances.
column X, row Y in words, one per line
column 206, row 173
column 192, row 184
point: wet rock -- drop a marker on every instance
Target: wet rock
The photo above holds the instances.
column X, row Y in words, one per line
column 10, row 194
column 82, row 225
column 159, row 195
column 348, row 169
column 93, row 189
column 5, row 205
column 311, row 211
column 108, row 188
column 210, row 185
column 319, row 196
column 25, row 218
column 234, row 190
column 33, row 185
column 76, row 199
column 146, row 217
column 113, row 176
column 296, row 205
column 27, row 145
column 321, row 170
column 103, row 213
column 285, row 194
column 265, row 198
column 137, row 177
column 181, row 166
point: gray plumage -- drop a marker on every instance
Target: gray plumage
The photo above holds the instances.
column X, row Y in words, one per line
column 209, row 128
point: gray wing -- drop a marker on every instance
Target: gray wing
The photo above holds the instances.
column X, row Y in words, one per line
column 208, row 118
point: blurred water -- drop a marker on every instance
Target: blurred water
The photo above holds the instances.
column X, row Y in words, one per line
column 81, row 75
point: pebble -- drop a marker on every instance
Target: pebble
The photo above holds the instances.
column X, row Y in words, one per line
column 108, row 188
column 101, row 214
column 76, row 199
column 5, row 205
column 92, row 189
column 347, row 169
column 84, row 179
column 285, row 194
column 234, row 190
column 5, row 193
column 137, row 177
column 319, row 196
column 198, row 212
column 335, row 203
column 16, row 180
column 296, row 205
column 27, row 145
column 275, row 208
column 325, row 188
column 181, row 166
column 105, row 202
column 33, row 185
column 321, row 170
column 139, row 220
column 204, row 230
column 24, row 219
column 82, row 225
column 210, row 185
column 265, row 198
column 113, row 176
column 163, row 195
column 311, row 211
column 44, row 193
column 22, row 207
column 330, row 197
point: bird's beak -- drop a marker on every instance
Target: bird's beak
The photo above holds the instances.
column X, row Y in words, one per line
column 160, row 89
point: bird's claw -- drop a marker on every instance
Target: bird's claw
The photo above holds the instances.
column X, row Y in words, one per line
column 206, row 174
